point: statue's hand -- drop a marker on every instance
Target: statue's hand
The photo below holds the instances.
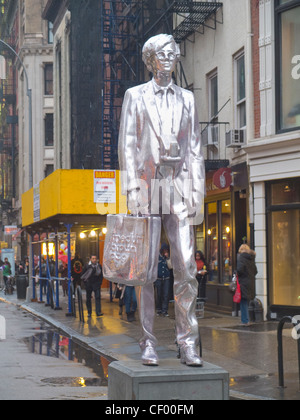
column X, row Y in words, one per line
column 133, row 202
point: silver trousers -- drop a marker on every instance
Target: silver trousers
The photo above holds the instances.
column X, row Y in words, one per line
column 181, row 238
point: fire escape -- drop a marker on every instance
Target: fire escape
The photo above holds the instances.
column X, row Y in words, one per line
column 8, row 121
column 126, row 25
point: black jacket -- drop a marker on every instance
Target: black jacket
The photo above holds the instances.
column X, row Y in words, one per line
column 95, row 278
column 247, row 271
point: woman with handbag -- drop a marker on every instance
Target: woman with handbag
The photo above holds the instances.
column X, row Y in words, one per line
column 247, row 271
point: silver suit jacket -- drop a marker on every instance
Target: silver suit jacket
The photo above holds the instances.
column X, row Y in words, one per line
column 139, row 145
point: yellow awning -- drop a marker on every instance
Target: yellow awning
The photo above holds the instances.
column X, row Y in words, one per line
column 72, row 193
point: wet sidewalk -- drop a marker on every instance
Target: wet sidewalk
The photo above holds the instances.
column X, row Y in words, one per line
column 248, row 354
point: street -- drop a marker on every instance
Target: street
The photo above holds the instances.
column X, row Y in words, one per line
column 31, row 376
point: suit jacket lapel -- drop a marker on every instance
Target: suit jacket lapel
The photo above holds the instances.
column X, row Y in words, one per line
column 178, row 109
column 150, row 104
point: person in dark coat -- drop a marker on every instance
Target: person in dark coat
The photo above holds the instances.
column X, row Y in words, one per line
column 162, row 284
column 247, row 271
column 92, row 276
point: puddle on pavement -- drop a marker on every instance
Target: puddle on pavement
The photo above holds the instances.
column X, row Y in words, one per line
column 50, row 343
column 74, row 382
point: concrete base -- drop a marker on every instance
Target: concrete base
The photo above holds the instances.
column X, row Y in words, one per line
column 130, row 381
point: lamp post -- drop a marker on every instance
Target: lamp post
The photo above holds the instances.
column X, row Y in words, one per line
column 29, row 94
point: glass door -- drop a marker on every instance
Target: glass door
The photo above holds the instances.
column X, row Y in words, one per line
column 226, row 247
column 212, row 242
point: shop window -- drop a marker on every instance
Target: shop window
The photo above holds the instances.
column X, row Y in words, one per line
column 285, row 258
column 284, row 242
column 287, row 192
column 218, row 241
column 226, row 250
column 288, row 64
column 200, row 243
column 212, row 242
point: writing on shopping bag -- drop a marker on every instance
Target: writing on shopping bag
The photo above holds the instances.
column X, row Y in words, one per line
column 122, row 247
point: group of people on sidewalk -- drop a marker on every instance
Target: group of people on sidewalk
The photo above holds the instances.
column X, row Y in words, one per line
column 92, row 277
column 246, row 271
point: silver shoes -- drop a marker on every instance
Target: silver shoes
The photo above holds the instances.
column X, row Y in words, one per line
column 150, row 357
column 190, row 357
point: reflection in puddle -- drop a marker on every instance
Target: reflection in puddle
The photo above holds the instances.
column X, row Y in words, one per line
column 74, row 382
column 52, row 344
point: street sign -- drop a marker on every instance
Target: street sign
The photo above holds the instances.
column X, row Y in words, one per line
column 11, row 230
column 105, row 190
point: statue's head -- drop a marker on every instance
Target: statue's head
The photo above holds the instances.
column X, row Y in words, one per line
column 161, row 53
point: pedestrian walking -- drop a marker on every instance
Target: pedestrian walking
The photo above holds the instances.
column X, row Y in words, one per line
column 6, row 270
column 162, row 283
column 92, row 276
column 130, row 303
column 44, row 276
column 247, row 271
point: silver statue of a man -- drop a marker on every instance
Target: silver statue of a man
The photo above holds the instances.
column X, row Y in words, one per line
column 160, row 147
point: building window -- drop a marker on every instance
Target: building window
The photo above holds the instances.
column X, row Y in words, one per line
column 213, row 97
column 49, row 170
column 49, row 130
column 288, row 64
column 50, row 33
column 240, row 88
column 48, row 79
column 283, row 205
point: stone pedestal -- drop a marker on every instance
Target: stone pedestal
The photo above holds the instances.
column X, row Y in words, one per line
column 171, row 380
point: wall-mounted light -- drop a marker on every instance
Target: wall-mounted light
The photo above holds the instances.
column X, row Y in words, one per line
column 82, row 235
column 104, row 231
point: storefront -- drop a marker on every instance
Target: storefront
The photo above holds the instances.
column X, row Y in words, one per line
column 66, row 214
column 283, row 230
column 225, row 228
column 274, row 161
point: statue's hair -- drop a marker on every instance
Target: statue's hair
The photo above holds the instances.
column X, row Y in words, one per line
column 155, row 44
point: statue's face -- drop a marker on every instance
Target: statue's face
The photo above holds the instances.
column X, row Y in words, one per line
column 165, row 59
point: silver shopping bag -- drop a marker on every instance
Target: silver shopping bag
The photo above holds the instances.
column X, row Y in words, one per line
column 131, row 249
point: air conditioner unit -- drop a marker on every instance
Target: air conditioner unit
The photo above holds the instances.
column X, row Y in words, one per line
column 236, row 138
column 210, row 136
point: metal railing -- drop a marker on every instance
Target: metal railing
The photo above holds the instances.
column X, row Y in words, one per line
column 80, row 304
column 296, row 323
column 52, row 291
column 52, row 295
